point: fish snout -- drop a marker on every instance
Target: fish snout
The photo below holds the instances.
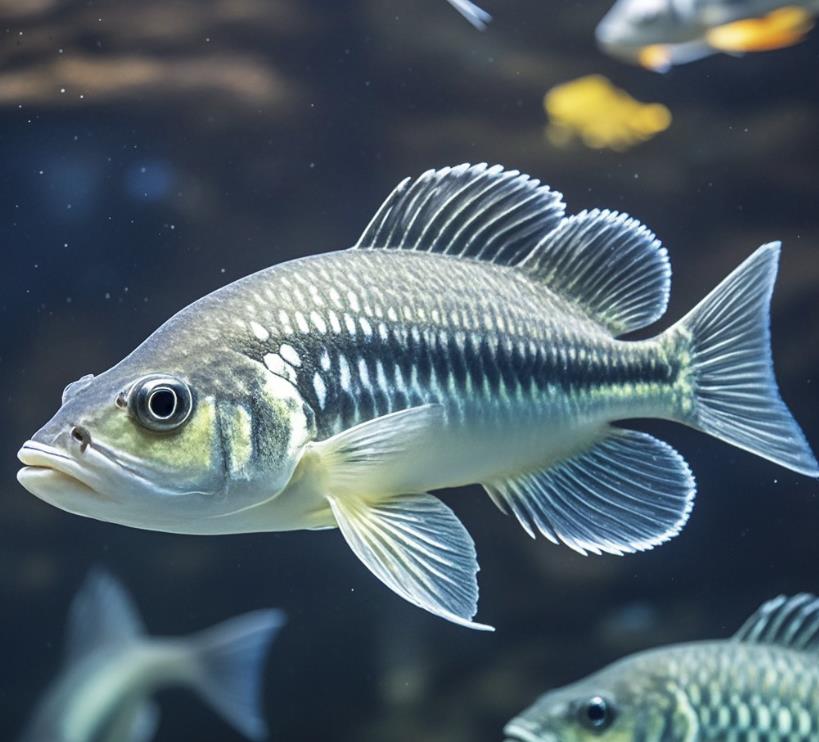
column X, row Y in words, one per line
column 522, row 730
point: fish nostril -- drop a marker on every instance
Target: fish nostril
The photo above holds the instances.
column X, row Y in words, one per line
column 82, row 436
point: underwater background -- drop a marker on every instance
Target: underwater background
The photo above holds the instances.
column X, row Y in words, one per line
column 151, row 152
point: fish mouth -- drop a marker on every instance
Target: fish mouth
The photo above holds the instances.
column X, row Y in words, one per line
column 517, row 731
column 52, row 475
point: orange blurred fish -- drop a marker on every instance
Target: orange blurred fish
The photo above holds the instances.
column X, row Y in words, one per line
column 657, row 34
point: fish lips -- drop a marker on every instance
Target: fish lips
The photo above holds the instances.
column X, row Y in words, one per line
column 519, row 730
column 58, row 478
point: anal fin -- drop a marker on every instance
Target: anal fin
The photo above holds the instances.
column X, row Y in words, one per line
column 417, row 547
column 781, row 28
column 628, row 492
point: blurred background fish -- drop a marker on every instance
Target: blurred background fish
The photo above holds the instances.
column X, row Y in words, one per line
column 600, row 115
column 112, row 668
column 658, row 34
column 761, row 684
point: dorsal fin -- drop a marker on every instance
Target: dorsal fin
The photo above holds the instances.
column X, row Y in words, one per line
column 474, row 211
column 786, row 622
column 609, row 265
column 101, row 613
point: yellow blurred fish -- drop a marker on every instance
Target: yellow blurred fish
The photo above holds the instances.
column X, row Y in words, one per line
column 658, row 34
column 601, row 115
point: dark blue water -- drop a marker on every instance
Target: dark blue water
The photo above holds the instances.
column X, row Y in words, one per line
column 199, row 140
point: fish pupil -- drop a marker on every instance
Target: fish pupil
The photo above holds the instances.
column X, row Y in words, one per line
column 162, row 403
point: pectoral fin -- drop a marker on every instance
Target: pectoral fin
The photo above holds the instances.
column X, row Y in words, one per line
column 417, row 547
column 377, row 457
column 781, row 28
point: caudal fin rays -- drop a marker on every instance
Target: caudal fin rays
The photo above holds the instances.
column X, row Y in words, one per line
column 734, row 395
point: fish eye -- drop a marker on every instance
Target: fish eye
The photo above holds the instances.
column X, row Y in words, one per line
column 596, row 713
column 161, row 403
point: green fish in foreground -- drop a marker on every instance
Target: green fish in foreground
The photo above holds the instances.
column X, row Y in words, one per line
column 760, row 685
column 112, row 668
column 470, row 336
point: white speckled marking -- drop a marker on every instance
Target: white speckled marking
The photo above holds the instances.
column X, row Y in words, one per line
column 321, row 389
column 290, row 354
column 318, row 322
column 260, row 332
column 344, row 373
column 277, row 365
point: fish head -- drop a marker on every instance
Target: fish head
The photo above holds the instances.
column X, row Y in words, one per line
column 633, row 26
column 155, row 445
column 618, row 706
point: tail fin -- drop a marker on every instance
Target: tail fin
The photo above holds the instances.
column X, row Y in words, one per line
column 230, row 659
column 735, row 396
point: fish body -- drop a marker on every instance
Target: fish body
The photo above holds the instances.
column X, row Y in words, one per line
column 661, row 33
column 113, row 668
column 762, row 684
column 470, row 336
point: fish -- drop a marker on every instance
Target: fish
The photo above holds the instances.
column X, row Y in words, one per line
column 478, row 17
column 469, row 336
column 601, row 115
column 112, row 668
column 758, row 685
column 658, row 34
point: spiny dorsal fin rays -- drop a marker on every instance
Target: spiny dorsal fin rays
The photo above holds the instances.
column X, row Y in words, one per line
column 472, row 211
column 611, row 266
column 791, row 622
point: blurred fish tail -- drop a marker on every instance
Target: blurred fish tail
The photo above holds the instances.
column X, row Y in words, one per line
column 729, row 389
column 230, row 659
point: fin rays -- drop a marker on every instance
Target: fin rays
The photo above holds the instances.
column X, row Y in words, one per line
column 600, row 500
column 788, row 622
column 470, row 211
column 428, row 558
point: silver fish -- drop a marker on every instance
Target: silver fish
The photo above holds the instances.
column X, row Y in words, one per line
column 469, row 336
column 112, row 668
column 760, row 685
column 661, row 33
